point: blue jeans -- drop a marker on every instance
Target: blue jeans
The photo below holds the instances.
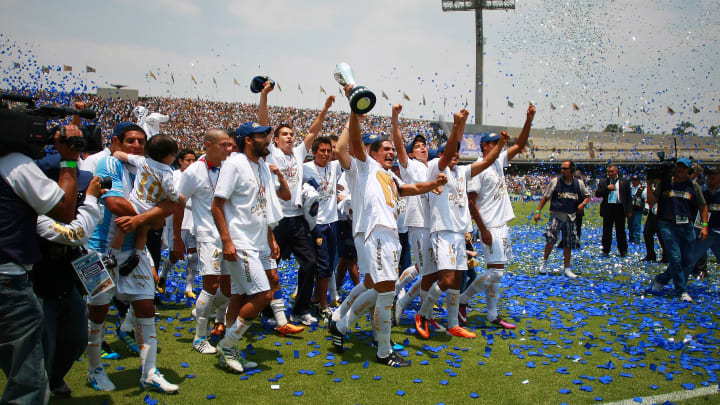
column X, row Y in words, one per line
column 679, row 240
column 700, row 248
column 635, row 226
column 21, row 350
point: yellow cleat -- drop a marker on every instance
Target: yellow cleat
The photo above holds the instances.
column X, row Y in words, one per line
column 190, row 295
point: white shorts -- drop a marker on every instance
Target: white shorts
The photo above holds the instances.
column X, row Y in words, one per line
column 501, row 249
column 422, row 249
column 248, row 272
column 362, row 259
column 449, row 250
column 211, row 259
column 382, row 250
column 187, row 235
column 137, row 285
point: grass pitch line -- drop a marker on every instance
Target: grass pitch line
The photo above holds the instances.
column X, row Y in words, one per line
column 672, row 396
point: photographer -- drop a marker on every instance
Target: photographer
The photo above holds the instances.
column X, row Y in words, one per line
column 55, row 282
column 25, row 193
column 677, row 198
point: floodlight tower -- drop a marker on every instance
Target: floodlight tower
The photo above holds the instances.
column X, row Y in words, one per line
column 478, row 6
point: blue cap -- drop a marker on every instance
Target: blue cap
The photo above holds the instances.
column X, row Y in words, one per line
column 370, row 138
column 126, row 126
column 685, row 161
column 250, row 128
column 396, row 163
column 489, row 137
column 411, row 145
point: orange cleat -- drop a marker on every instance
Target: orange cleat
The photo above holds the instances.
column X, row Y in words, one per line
column 421, row 325
column 289, row 329
column 459, row 331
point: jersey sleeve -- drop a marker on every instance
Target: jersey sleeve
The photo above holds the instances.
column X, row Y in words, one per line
column 187, row 184
column 78, row 231
column 550, row 188
column 226, row 180
column 111, row 167
column 30, row 183
column 168, row 185
column 136, row 160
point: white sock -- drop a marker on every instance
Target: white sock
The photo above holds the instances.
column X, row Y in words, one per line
column 361, row 305
column 147, row 340
column 203, row 306
column 95, row 337
column 480, row 283
column 235, row 333
column 383, row 307
column 492, row 294
column 453, row 301
column 128, row 323
column 433, row 295
column 407, row 276
column 412, row 293
column 345, row 306
column 165, row 268
column 220, row 304
column 278, row 307
column 332, row 289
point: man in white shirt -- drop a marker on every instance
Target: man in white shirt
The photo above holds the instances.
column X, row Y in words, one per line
column 491, row 209
column 245, row 208
column 293, row 233
column 378, row 193
column 449, row 221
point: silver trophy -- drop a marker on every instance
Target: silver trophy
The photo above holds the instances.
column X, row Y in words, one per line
column 362, row 100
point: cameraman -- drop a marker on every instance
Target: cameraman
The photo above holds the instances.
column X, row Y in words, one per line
column 25, row 193
column 55, row 282
column 677, row 198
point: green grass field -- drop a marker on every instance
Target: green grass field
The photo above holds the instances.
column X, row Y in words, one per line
column 566, row 329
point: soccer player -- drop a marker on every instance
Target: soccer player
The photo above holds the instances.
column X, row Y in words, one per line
column 491, row 209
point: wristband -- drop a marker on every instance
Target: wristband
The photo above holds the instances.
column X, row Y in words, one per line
column 704, row 224
column 537, row 211
column 69, row 163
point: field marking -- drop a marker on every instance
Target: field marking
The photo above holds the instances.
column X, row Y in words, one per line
column 671, row 396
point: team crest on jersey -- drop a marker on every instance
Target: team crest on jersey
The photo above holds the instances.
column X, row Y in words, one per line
column 319, row 241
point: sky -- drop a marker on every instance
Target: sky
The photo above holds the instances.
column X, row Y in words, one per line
column 636, row 56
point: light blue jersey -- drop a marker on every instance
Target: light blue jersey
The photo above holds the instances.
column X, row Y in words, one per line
column 122, row 183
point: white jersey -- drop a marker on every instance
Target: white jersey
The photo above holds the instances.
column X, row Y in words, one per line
column 153, row 183
column 356, row 203
column 291, row 167
column 493, row 200
column 402, row 213
column 344, row 206
column 198, row 183
column 187, row 222
column 91, row 162
column 449, row 210
column 326, row 178
column 418, row 206
column 252, row 205
column 378, row 196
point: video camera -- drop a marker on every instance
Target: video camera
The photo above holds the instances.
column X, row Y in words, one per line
column 663, row 170
column 24, row 129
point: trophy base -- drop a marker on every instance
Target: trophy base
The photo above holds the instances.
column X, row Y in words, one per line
column 362, row 100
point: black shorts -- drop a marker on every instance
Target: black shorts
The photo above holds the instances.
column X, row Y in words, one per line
column 345, row 242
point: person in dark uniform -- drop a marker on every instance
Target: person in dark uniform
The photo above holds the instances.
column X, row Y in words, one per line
column 616, row 205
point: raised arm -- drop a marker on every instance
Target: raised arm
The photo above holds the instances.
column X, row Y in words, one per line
column 422, row 187
column 523, row 137
column 478, row 167
column 263, row 113
column 397, row 138
column 453, row 142
column 317, row 125
column 341, row 147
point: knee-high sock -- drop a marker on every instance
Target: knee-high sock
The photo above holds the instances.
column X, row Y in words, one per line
column 406, row 277
column 361, row 305
column 332, row 289
column 165, row 268
column 433, row 295
column 412, row 293
column 220, row 306
column 95, row 337
column 203, row 307
column 453, row 301
column 128, row 323
column 278, row 308
column 480, row 283
column 349, row 300
column 383, row 321
column 147, row 340
column 492, row 291
column 235, row 333
column 191, row 270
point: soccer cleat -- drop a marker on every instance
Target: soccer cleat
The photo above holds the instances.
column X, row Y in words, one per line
column 157, row 382
column 393, row 360
column 569, row 273
column 231, row 359
column 129, row 339
column 289, row 329
column 99, row 380
column 462, row 315
column 327, row 315
column 305, row 319
column 501, row 323
column 393, row 344
column 190, row 295
column 543, row 268
column 433, row 323
column 685, row 297
column 107, row 353
column 129, row 265
column 421, row 325
column 218, row 331
column 62, row 390
column 337, row 337
column 459, row 331
column 162, row 282
column 203, row 346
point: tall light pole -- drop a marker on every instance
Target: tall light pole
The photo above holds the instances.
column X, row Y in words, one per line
column 478, row 6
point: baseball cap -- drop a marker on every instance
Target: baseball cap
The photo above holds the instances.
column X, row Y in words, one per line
column 489, row 137
column 250, row 128
column 126, row 126
column 685, row 161
column 411, row 145
column 370, row 138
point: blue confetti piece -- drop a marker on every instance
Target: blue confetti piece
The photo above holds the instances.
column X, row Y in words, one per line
column 355, row 377
column 474, row 395
column 337, row 380
column 443, row 382
column 190, row 376
column 400, row 392
column 508, row 374
column 377, row 377
column 564, row 391
column 530, row 364
column 211, row 396
column 296, row 354
column 120, row 368
column 329, row 364
column 424, row 363
column 366, row 364
column 599, row 399
column 280, row 360
column 653, row 386
column 417, row 381
column 688, row 386
column 184, row 365
column 298, row 393
column 626, row 375
column 637, row 399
